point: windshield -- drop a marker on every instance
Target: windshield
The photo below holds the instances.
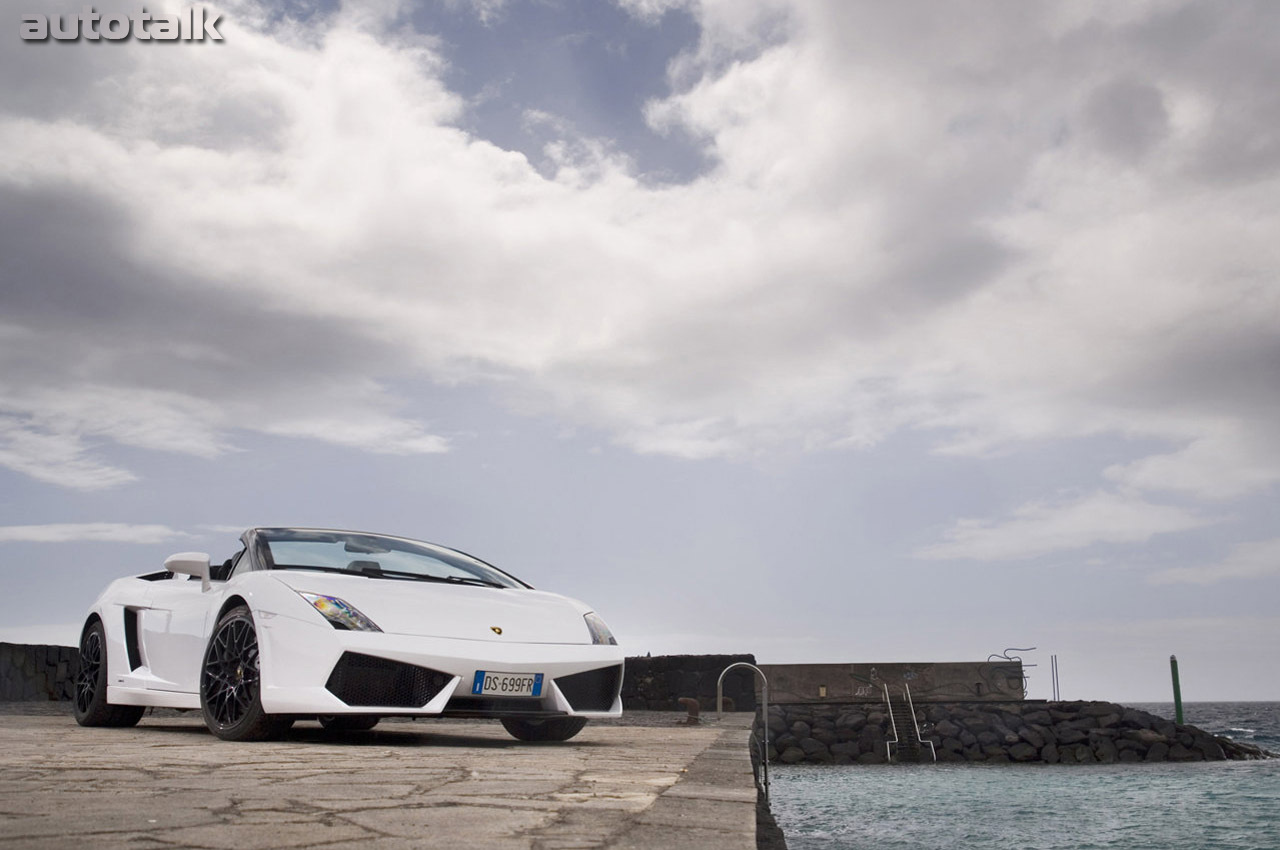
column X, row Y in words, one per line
column 376, row 557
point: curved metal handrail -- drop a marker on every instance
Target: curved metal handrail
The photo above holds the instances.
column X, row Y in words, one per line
column 911, row 705
column 764, row 717
column 1005, row 656
column 893, row 724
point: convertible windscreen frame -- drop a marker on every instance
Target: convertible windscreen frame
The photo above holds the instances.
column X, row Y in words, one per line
column 373, row 556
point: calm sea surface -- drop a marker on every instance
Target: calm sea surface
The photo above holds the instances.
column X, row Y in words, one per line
column 1048, row 807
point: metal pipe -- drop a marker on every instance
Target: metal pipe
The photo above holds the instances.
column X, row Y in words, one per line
column 906, row 690
column 764, row 716
column 1177, row 689
column 888, row 745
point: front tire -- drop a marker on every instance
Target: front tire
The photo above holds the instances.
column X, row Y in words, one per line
column 231, row 683
column 92, row 708
column 550, row 729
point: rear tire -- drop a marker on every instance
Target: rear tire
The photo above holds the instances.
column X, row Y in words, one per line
column 91, row 706
column 550, row 729
column 231, row 683
column 348, row 722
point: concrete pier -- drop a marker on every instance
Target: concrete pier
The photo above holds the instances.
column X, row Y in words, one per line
column 647, row 783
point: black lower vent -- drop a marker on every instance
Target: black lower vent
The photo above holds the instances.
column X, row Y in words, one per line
column 467, row 706
column 131, row 645
column 367, row 680
column 594, row 690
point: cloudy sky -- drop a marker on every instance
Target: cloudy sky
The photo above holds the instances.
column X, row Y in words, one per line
column 828, row 331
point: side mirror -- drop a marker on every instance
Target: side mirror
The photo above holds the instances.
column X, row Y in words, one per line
column 191, row 564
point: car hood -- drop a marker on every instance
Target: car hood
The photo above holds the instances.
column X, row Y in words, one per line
column 468, row 612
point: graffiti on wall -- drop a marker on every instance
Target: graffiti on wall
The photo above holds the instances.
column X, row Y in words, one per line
column 996, row 680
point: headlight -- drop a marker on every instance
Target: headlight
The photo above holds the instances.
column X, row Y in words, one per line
column 599, row 631
column 339, row 614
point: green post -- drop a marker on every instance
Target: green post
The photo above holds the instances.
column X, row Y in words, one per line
column 1177, row 689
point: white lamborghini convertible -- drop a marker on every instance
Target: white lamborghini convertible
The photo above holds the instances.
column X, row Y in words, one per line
column 345, row 627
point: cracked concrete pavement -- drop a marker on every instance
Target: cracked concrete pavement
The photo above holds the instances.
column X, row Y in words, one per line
column 648, row 783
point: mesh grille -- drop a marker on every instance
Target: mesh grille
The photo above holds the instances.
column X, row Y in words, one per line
column 593, row 690
column 366, row 680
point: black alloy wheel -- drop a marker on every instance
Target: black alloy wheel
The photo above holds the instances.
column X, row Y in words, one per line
column 231, row 683
column 91, row 706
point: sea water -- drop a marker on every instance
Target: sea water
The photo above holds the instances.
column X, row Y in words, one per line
column 1048, row 807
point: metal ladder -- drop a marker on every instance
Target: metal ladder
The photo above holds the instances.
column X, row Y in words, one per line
column 906, row 743
column 761, row 743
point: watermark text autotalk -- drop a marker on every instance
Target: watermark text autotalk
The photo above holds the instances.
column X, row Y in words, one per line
column 193, row 24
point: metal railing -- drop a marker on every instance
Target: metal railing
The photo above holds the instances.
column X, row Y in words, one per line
column 893, row 725
column 762, row 779
column 906, row 689
column 1005, row 656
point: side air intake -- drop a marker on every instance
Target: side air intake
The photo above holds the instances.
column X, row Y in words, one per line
column 594, row 690
column 365, row 680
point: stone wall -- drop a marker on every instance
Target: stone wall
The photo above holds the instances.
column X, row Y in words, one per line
column 1053, row 733
column 657, row 683
column 37, row 672
column 967, row 681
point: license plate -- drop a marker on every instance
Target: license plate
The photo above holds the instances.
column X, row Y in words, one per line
column 490, row 684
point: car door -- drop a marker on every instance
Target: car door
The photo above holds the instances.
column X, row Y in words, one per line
column 174, row 630
column 176, row 624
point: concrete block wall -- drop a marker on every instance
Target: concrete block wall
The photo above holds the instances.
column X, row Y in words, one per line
column 37, row 672
column 657, row 683
column 968, row 681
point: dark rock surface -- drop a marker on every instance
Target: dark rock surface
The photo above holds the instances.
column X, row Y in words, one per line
column 768, row 834
column 1052, row 733
column 40, row 673
column 657, row 683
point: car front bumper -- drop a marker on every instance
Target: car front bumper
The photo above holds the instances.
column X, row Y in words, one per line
column 314, row 669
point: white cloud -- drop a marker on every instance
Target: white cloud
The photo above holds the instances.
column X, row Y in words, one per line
column 947, row 222
column 486, row 10
column 364, row 431
column 1251, row 560
column 1040, row 528
column 1215, row 466
column 55, row 457
column 235, row 530
column 93, row 532
column 652, row 10
column 49, row 435
column 160, row 421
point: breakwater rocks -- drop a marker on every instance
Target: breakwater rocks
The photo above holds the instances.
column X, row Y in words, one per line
column 37, row 672
column 1053, row 733
column 658, row 683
